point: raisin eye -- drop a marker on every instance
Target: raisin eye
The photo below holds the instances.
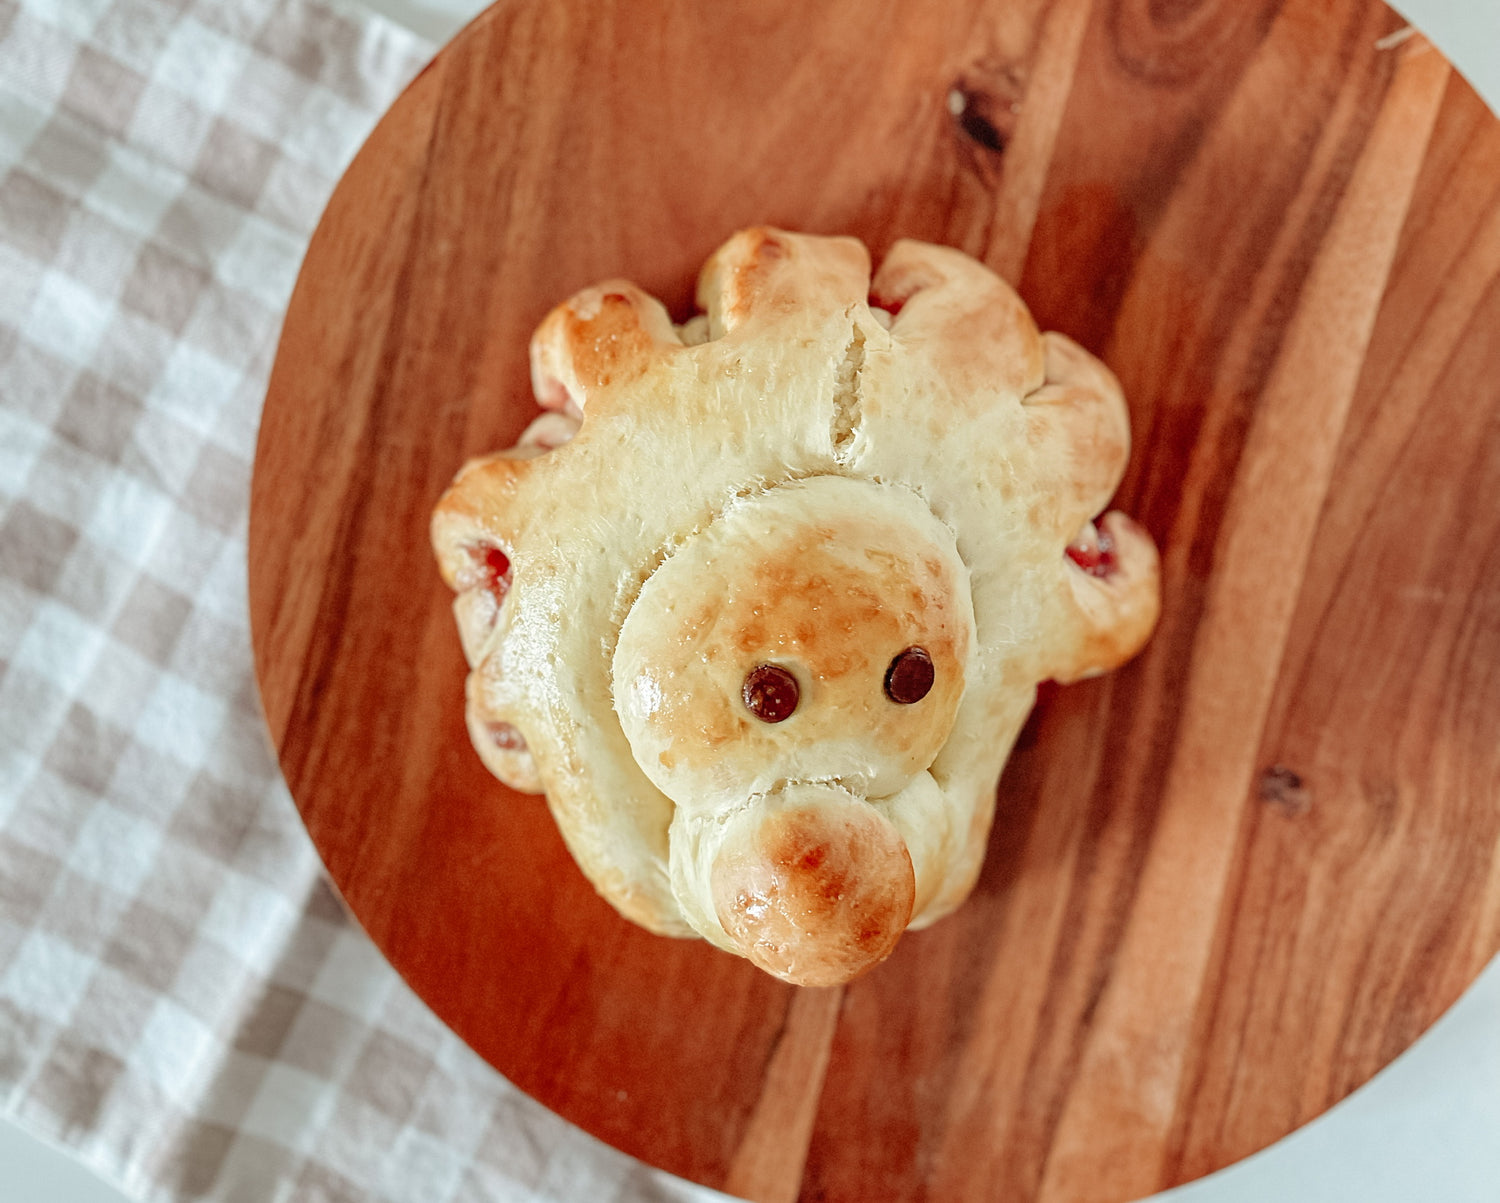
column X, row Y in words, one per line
column 910, row 676
column 771, row 693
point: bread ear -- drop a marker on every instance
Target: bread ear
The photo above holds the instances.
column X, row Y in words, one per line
column 1078, row 429
column 597, row 337
column 763, row 274
column 962, row 316
column 501, row 746
column 1109, row 616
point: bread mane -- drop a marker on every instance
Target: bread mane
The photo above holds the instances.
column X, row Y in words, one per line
column 921, row 416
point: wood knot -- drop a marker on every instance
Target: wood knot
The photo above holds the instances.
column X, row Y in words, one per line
column 985, row 104
column 1284, row 789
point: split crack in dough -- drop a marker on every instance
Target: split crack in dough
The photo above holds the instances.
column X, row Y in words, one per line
column 819, row 473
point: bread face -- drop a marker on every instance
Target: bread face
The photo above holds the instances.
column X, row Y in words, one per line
column 828, row 578
column 761, row 601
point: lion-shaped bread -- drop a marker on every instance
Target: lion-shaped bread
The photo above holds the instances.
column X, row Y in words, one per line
column 761, row 601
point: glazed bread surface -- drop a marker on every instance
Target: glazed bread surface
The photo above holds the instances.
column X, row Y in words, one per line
column 761, row 601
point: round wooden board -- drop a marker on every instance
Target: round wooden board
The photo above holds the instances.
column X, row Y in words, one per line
column 1226, row 884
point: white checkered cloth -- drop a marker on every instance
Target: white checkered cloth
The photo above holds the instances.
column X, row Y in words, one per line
column 183, row 1004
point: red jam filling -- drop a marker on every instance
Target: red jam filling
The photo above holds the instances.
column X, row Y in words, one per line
column 1094, row 552
column 494, row 570
column 506, row 737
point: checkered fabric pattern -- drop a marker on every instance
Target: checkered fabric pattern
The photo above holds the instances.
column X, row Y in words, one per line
column 183, row 1003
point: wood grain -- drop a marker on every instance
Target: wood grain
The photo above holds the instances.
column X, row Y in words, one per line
column 1126, row 1090
column 770, row 1159
column 1225, row 885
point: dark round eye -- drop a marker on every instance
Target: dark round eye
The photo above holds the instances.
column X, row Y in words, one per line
column 770, row 693
column 910, row 676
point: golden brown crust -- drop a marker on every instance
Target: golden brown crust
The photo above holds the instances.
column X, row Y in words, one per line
column 814, row 894
column 603, row 336
column 792, row 479
column 476, row 512
column 829, row 579
column 763, row 275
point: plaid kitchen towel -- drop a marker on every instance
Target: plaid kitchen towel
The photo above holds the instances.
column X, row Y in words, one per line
column 183, row 1004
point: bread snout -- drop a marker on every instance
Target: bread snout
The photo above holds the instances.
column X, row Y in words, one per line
column 813, row 884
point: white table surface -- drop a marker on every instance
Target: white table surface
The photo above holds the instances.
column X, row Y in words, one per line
column 1425, row 1130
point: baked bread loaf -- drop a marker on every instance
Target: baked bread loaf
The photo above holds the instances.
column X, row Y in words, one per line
column 761, row 601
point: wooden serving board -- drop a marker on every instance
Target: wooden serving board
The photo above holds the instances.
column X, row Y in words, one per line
column 1226, row 884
